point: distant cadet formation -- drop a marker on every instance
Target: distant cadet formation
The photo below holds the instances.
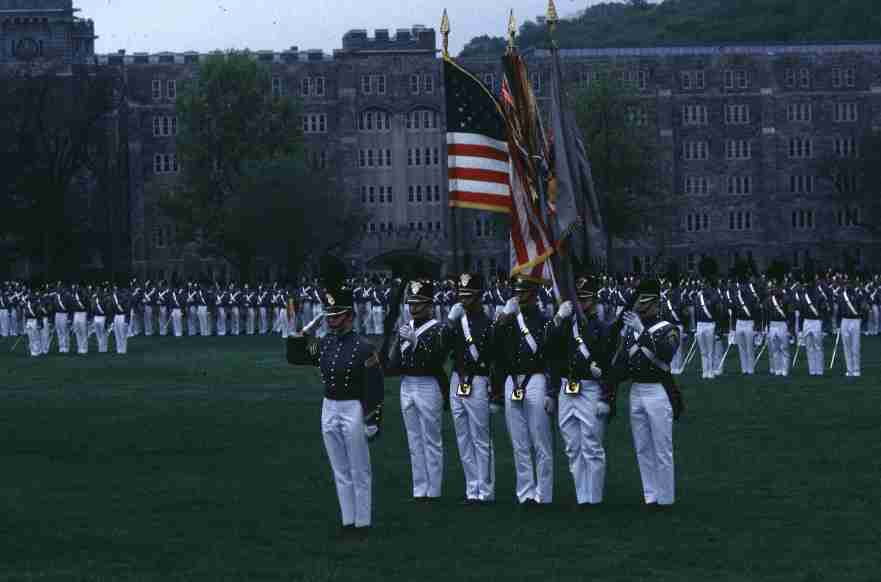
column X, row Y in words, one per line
column 513, row 350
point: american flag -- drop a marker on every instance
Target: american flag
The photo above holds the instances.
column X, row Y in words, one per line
column 477, row 147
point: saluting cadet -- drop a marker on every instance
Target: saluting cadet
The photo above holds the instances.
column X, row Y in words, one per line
column 813, row 310
column 584, row 410
column 80, row 305
column 470, row 387
column 530, row 400
column 352, row 409
column 646, row 349
column 780, row 319
column 418, row 358
column 851, row 309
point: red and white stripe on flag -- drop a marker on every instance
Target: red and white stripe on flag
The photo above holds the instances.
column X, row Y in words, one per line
column 479, row 172
column 530, row 243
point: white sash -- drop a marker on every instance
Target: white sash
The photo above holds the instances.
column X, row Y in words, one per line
column 79, row 301
column 849, row 304
column 811, row 303
column 582, row 347
column 466, row 331
column 422, row 329
column 743, row 303
column 777, row 307
column 647, row 352
column 700, row 295
column 60, row 302
column 526, row 333
column 116, row 300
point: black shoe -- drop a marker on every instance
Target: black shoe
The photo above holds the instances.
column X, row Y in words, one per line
column 529, row 503
column 468, row 501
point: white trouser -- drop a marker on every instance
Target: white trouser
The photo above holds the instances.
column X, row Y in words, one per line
column 651, row 421
column 850, row 343
column 264, row 320
column 422, row 406
column 35, row 341
column 63, row 333
column 202, row 313
column 45, row 335
column 719, row 350
column 530, row 429
column 81, row 331
column 583, row 427
column 251, row 322
column 148, row 320
column 235, row 320
column 471, row 419
column 15, row 324
column 133, row 328
column 378, row 319
column 99, row 323
column 706, row 342
column 192, row 320
column 746, row 349
column 305, row 314
column 276, row 319
column 163, row 320
column 285, row 324
column 778, row 348
column 4, row 323
column 120, row 334
column 813, row 330
column 177, row 321
column 679, row 356
column 342, row 428
column 221, row 321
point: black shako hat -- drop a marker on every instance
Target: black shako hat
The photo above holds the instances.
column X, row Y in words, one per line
column 337, row 300
column 521, row 283
column 469, row 284
column 420, row 291
column 586, row 288
column 648, row 290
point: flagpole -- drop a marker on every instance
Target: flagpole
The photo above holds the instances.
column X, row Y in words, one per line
column 454, row 216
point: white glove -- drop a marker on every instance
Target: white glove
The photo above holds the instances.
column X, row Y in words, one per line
column 633, row 321
column 564, row 312
column 371, row 430
column 512, row 307
column 407, row 334
column 757, row 340
column 550, row 405
column 596, row 371
column 495, row 408
column 603, row 409
column 310, row 327
column 730, row 337
column 457, row 311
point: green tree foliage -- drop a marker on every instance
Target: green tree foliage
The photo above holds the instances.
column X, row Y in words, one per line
column 856, row 182
column 624, row 161
column 229, row 123
column 639, row 23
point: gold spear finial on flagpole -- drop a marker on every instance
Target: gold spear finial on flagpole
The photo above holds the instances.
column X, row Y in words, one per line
column 445, row 31
column 512, row 30
column 552, row 19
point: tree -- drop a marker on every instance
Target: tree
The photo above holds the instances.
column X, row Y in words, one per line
column 624, row 161
column 56, row 126
column 854, row 175
column 484, row 46
column 228, row 121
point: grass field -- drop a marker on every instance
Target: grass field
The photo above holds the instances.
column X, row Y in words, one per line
column 201, row 459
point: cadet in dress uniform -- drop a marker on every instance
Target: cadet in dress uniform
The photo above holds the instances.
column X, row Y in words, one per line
column 584, row 409
column 418, row 358
column 121, row 304
column 672, row 311
column 747, row 314
column 100, row 308
column 33, row 313
column 778, row 312
column 646, row 348
column 470, row 388
column 62, row 307
column 707, row 313
column 530, row 399
column 852, row 308
column 163, row 299
column 4, row 312
column 149, row 302
column 80, row 305
column 813, row 310
column 352, row 408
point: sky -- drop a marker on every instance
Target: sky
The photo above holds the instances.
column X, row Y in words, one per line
column 204, row 25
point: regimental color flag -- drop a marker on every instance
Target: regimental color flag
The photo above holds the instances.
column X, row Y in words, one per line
column 477, row 147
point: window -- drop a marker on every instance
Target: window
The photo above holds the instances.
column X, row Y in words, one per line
column 697, row 185
column 692, row 80
column 845, row 147
column 799, row 112
column 845, row 112
column 419, row 193
column 316, row 86
column 739, row 220
column 846, row 183
column 849, row 216
column 801, row 148
column 315, row 123
column 366, row 87
column 740, row 184
column 414, row 84
column 305, row 88
column 803, row 219
column 801, row 184
column 738, row 149
column 374, row 120
column 697, row 222
column 428, row 84
column 637, row 116
column 800, row 78
column 165, row 164
column 276, row 87
column 804, row 78
column 636, row 78
column 157, row 126
column 417, row 157
column 843, row 77
column 694, row 115
column 695, row 150
column 164, row 126
column 422, row 119
column 171, row 89
column 789, row 78
column 737, row 114
column 736, row 79
column 157, row 89
column 489, row 79
column 377, row 82
column 589, row 77
column 483, row 227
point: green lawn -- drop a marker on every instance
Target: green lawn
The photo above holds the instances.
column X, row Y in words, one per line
column 201, row 459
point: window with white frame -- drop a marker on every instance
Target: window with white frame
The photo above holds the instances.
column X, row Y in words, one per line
column 692, row 80
column 698, row 185
column 737, row 114
column 635, row 78
column 422, row 119
column 843, row 77
column 849, row 216
column 165, row 164
column 695, row 150
column 171, row 89
column 801, row 148
column 799, row 112
column 736, row 79
column 846, row 183
column 374, row 120
column 373, row 84
column 157, row 89
column 694, row 115
column 697, row 222
column 428, row 84
column 845, row 112
column 804, row 78
column 276, row 87
column 313, row 86
column 315, row 123
column 415, row 83
column 740, row 184
column 803, row 219
column 738, row 149
column 801, row 184
column 845, row 147
column 739, row 220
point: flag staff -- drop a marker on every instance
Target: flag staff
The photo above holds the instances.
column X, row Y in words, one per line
column 454, row 217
